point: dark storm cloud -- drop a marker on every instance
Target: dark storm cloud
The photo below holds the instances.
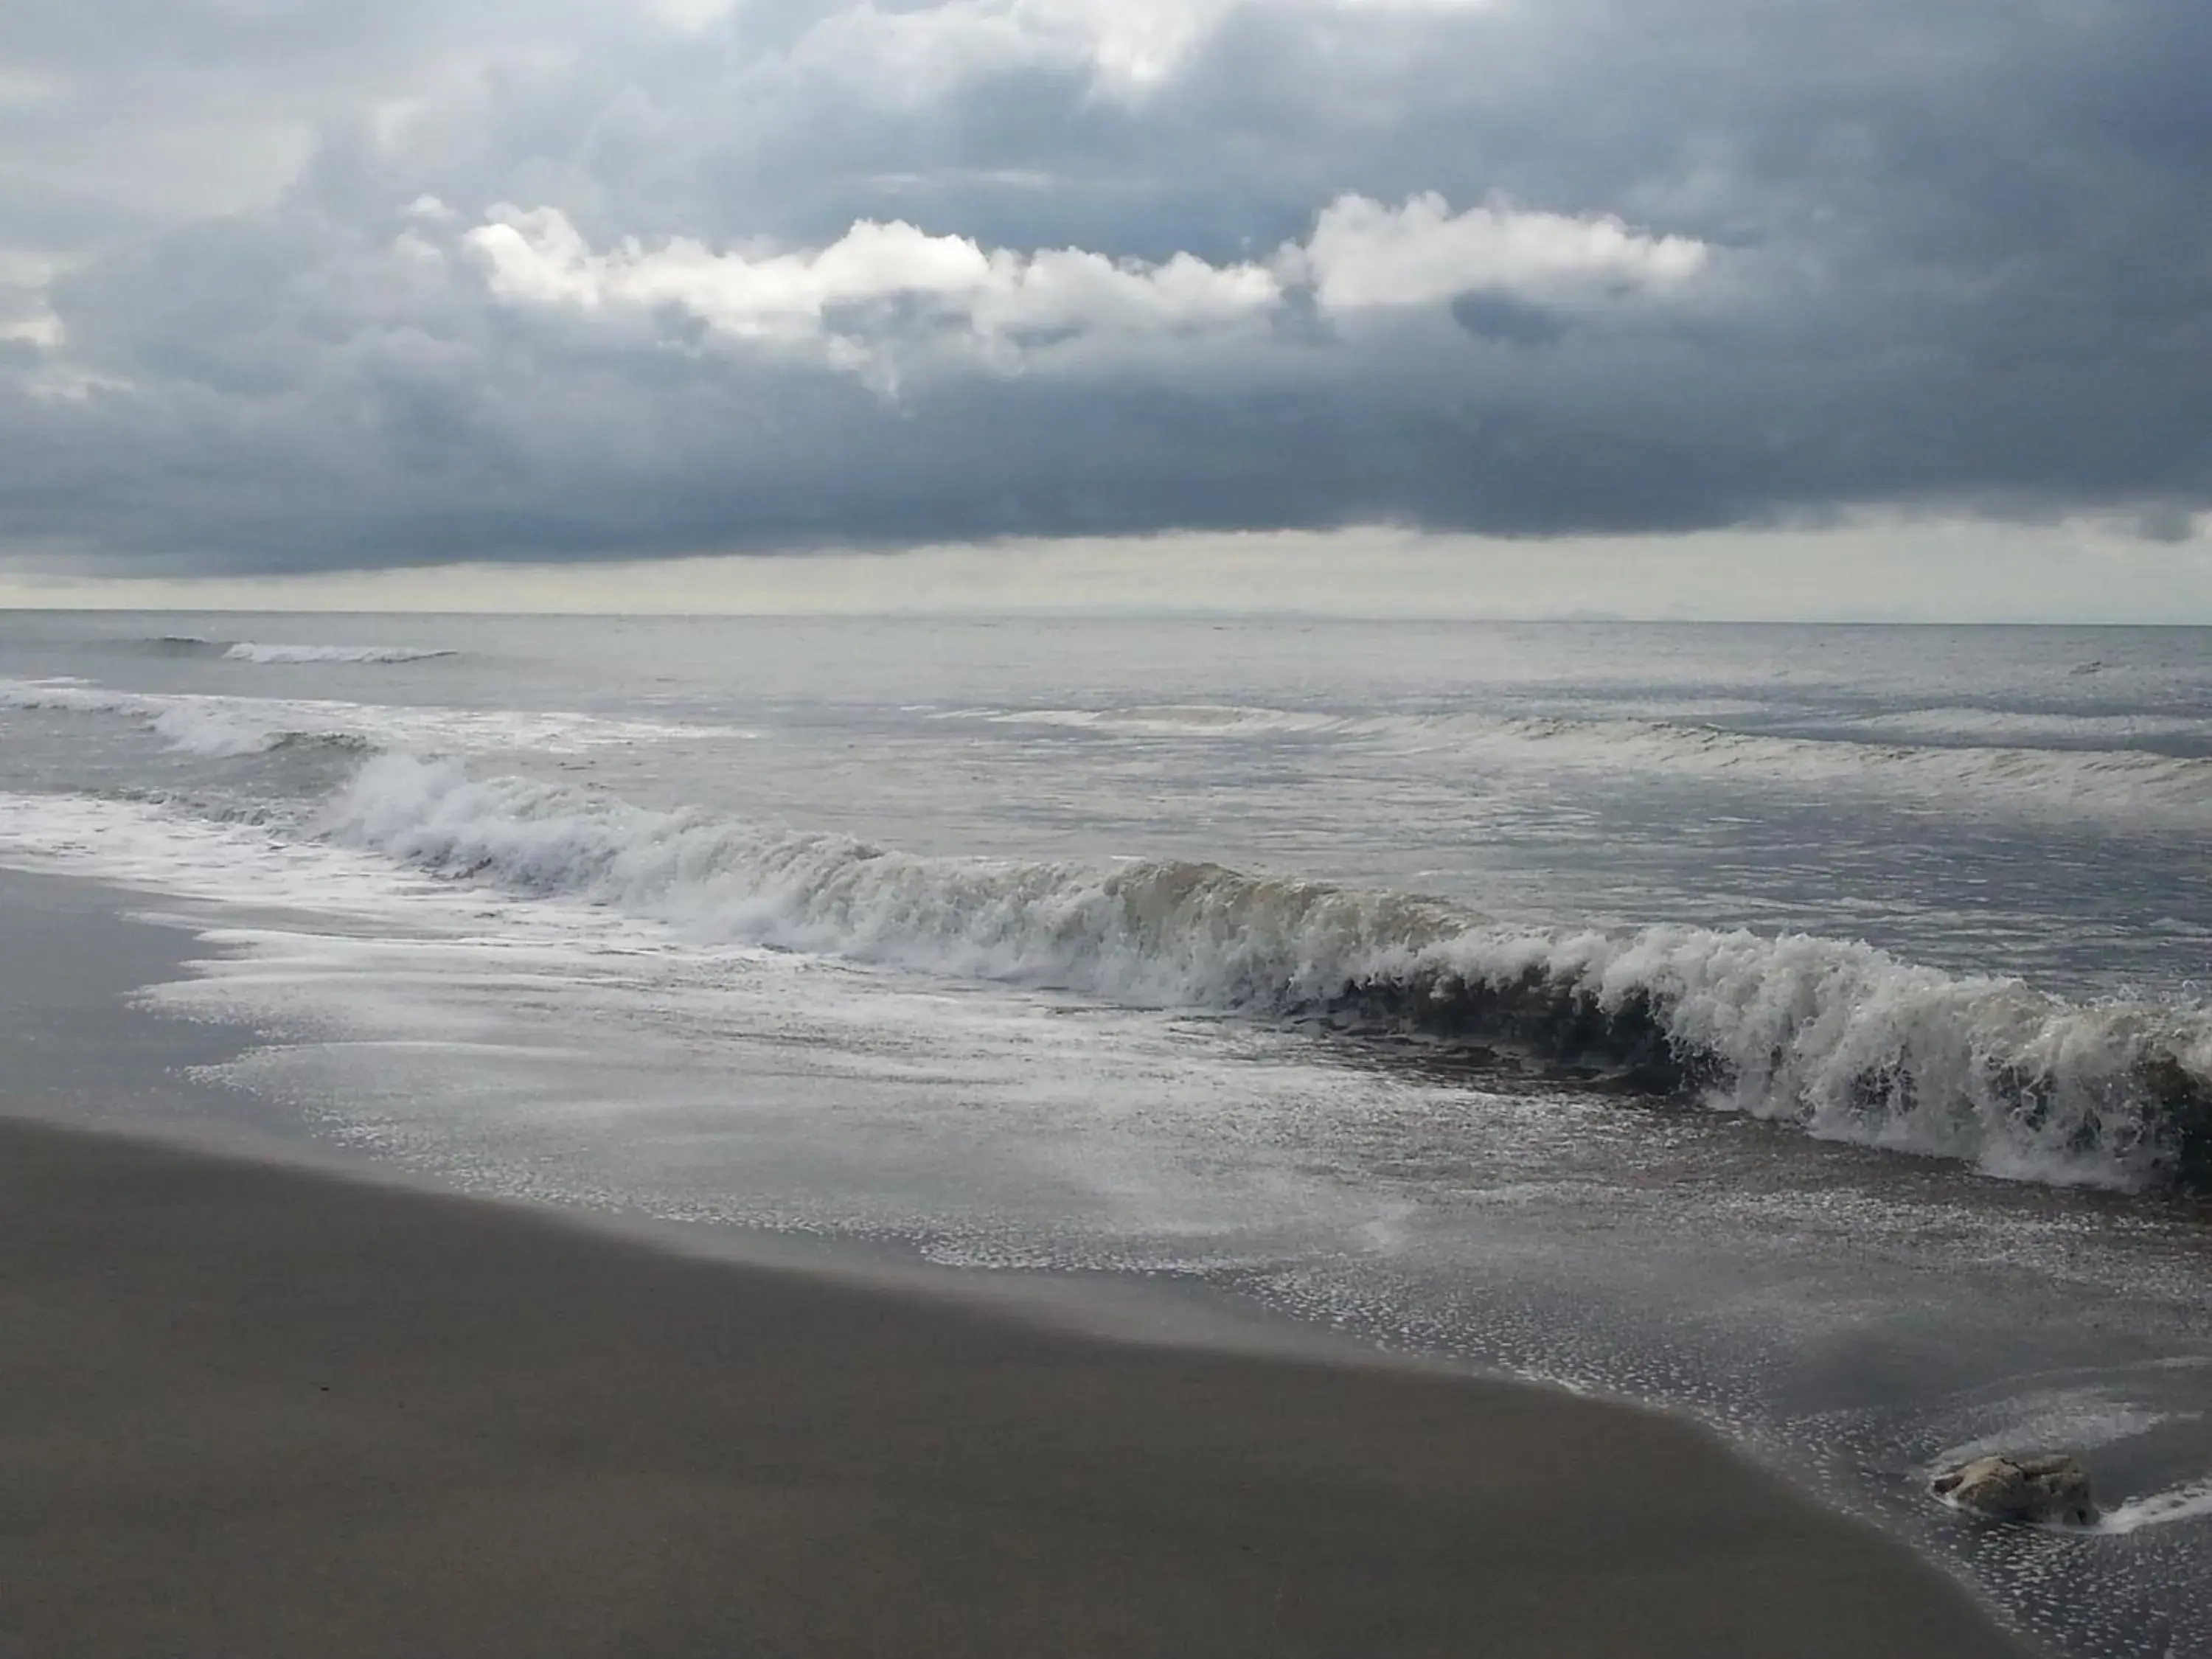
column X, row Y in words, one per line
column 1952, row 256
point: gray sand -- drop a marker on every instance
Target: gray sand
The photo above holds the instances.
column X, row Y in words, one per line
column 248, row 1410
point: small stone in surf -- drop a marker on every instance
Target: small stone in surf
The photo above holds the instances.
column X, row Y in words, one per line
column 2049, row 1488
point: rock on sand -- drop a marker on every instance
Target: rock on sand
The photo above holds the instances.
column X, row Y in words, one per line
column 2006, row 1488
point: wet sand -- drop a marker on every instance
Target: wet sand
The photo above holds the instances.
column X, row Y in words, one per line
column 250, row 1410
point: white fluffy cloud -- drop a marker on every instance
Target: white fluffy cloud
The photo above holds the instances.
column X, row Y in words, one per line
column 1364, row 253
column 879, row 279
column 878, row 288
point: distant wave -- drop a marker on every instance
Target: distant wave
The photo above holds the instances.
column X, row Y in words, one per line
column 254, row 651
column 2071, row 777
column 257, row 650
column 215, row 726
column 1971, row 727
column 2063, row 778
column 1177, row 720
column 1839, row 1037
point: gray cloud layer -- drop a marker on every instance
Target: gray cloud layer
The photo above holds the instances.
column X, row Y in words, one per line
column 279, row 289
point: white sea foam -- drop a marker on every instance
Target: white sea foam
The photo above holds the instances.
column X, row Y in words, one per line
column 2192, row 1501
column 1839, row 1037
column 2084, row 1420
column 136, row 843
column 255, row 650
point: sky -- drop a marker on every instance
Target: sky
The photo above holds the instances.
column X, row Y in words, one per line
column 1504, row 306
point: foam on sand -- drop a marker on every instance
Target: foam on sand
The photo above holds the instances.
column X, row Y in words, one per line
column 2192, row 1501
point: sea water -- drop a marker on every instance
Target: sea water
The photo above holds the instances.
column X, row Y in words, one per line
column 1802, row 1027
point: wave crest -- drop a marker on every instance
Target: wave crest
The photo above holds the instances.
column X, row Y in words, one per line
column 1836, row 1036
column 216, row 728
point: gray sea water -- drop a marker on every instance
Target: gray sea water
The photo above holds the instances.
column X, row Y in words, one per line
column 1806, row 1027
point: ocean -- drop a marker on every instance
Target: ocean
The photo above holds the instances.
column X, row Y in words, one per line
column 1804, row 1028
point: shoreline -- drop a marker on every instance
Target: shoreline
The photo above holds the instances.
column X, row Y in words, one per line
column 263, row 1409
column 1849, row 1313
column 96, row 1063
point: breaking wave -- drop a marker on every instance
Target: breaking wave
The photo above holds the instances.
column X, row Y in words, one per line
column 221, row 733
column 214, row 728
column 1841, row 1039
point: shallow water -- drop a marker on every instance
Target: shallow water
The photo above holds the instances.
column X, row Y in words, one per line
column 891, row 929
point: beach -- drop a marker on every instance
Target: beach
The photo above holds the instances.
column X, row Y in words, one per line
column 255, row 1410
column 1025, row 1124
